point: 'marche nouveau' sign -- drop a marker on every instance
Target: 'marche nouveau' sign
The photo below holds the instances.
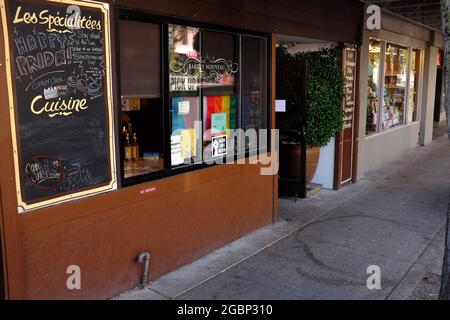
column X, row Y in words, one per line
column 60, row 99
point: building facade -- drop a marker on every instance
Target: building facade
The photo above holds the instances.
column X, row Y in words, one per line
column 112, row 112
column 102, row 159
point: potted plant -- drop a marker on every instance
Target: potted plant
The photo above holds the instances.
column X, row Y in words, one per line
column 325, row 91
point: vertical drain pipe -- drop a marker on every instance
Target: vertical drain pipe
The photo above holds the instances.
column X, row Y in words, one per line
column 144, row 257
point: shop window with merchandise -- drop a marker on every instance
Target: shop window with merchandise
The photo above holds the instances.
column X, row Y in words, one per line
column 392, row 91
column 186, row 90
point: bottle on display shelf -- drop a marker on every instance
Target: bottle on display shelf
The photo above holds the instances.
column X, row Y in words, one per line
column 135, row 148
column 124, row 132
column 128, row 148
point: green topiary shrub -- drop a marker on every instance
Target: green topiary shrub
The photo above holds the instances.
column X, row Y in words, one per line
column 325, row 91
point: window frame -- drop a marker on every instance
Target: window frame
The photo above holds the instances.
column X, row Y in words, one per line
column 417, row 80
column 405, row 97
column 383, row 46
column 123, row 13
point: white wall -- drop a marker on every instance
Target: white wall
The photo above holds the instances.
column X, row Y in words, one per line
column 386, row 146
column 325, row 168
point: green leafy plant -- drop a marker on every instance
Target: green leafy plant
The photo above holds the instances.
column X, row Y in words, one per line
column 325, row 91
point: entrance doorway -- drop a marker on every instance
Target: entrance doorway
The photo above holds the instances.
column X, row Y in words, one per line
column 303, row 170
column 291, row 121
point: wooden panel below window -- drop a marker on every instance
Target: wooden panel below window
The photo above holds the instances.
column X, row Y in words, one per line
column 177, row 227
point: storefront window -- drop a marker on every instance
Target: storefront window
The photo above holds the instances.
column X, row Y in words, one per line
column 254, row 84
column 396, row 103
column 395, row 76
column 373, row 88
column 142, row 107
column 215, row 84
column 220, row 84
column 185, row 84
column 204, row 72
column 413, row 85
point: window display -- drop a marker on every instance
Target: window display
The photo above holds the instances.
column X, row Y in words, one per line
column 206, row 75
column 185, row 81
column 395, row 75
column 220, row 81
column 373, row 88
column 190, row 117
column 392, row 86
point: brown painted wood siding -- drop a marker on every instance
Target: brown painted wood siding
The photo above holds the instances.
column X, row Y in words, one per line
column 329, row 20
column 186, row 217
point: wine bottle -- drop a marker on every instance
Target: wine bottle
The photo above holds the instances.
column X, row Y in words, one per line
column 135, row 148
column 124, row 131
column 128, row 153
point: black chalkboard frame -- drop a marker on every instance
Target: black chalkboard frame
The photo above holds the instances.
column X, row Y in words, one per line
column 111, row 184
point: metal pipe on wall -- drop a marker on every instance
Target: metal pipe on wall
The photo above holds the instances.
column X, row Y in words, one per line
column 144, row 257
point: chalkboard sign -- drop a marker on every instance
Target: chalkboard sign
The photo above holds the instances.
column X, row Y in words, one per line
column 60, row 92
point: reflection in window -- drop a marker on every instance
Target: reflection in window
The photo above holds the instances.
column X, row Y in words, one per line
column 396, row 68
column 413, row 85
column 142, row 107
column 254, row 99
column 220, row 91
column 207, row 98
column 204, row 86
column 184, row 73
column 373, row 91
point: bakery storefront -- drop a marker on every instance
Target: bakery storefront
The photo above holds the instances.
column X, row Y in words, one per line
column 116, row 121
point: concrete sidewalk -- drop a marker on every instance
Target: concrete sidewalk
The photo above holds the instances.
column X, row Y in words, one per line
column 394, row 218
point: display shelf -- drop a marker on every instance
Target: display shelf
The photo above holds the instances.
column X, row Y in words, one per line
column 142, row 167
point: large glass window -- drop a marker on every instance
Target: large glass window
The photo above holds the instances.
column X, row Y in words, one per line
column 254, row 85
column 393, row 83
column 185, row 84
column 204, row 74
column 395, row 76
column 220, row 88
column 215, row 85
column 373, row 87
column 142, row 105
